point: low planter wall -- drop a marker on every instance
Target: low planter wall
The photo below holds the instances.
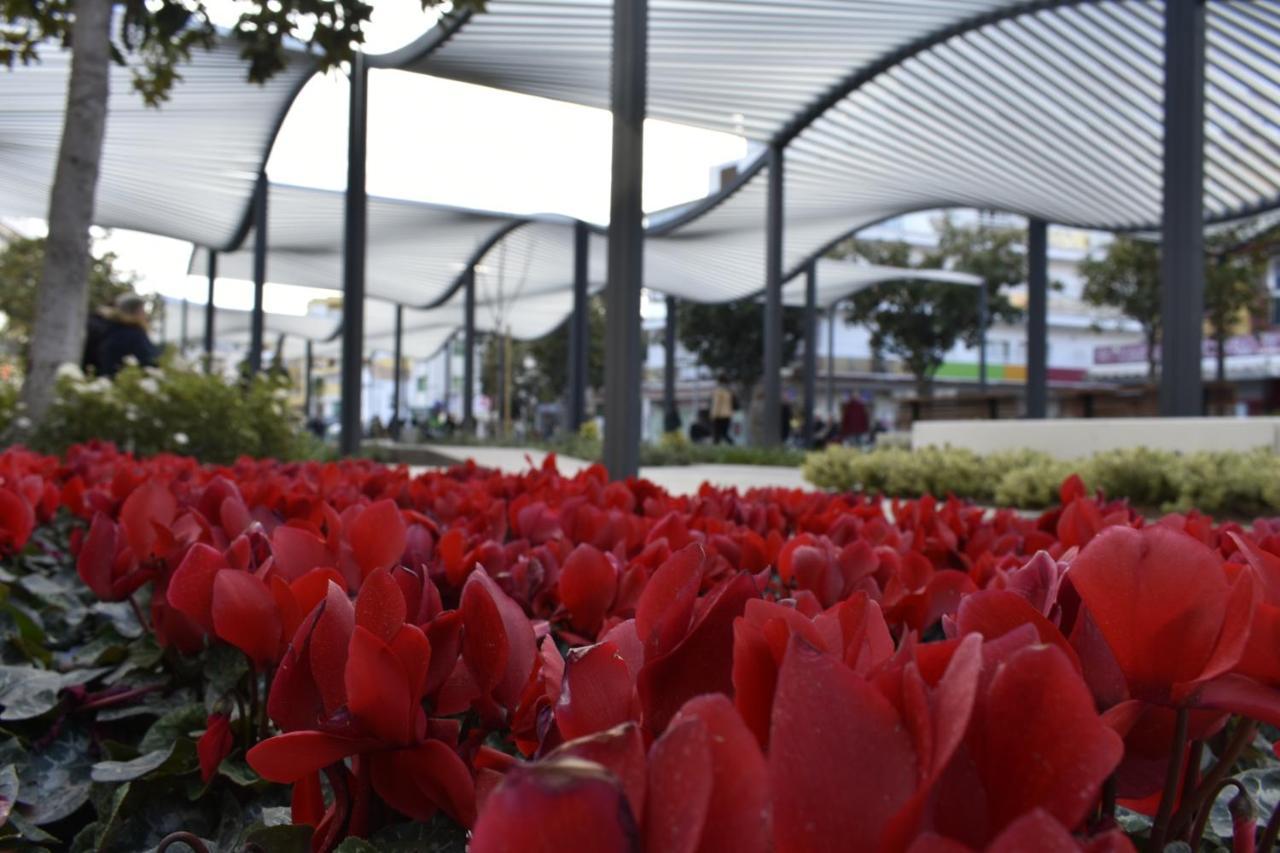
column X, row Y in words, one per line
column 1074, row 438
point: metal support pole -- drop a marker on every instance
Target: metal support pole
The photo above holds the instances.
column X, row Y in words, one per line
column 982, row 336
column 1037, row 318
column 448, row 372
column 469, row 353
column 256, row 321
column 398, row 358
column 579, row 329
column 772, row 417
column 353, row 258
column 1182, row 243
column 182, row 328
column 831, row 359
column 671, row 413
column 308, row 391
column 623, row 388
column 209, row 312
column 810, row 348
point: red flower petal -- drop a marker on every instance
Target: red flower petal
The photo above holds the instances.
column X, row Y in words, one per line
column 380, row 607
column 191, row 585
column 297, row 551
column 17, row 520
column 597, row 692
column 377, row 536
column 1043, row 744
column 148, row 505
column 619, row 750
column 328, row 647
column 738, row 811
column 1159, row 598
column 554, row 807
column 377, row 689
column 214, row 745
column 840, row 760
column 702, row 662
column 244, row 615
column 498, row 644
column 680, row 785
column 293, row 755
column 588, row 584
column 666, row 606
column 97, row 556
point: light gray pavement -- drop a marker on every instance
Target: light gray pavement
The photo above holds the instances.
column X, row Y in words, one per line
column 676, row 479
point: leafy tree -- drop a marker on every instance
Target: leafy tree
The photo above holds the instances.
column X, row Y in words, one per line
column 1232, row 288
column 550, row 355
column 1127, row 278
column 20, row 264
column 919, row 321
column 157, row 36
column 728, row 338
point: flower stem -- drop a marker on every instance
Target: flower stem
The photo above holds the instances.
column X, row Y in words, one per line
column 1191, row 804
column 1202, row 819
column 1270, row 834
column 1160, row 829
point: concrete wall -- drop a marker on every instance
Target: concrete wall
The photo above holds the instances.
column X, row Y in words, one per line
column 1073, row 438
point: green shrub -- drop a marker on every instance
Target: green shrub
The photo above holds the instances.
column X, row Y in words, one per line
column 153, row 410
column 8, row 404
column 1242, row 484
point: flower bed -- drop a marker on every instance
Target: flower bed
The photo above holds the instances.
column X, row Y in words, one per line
column 342, row 656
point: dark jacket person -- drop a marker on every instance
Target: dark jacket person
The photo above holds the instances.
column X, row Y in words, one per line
column 117, row 333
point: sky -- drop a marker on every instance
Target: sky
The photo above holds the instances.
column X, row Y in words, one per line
column 440, row 141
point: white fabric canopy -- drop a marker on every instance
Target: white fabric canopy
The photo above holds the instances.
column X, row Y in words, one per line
column 185, row 169
column 838, row 280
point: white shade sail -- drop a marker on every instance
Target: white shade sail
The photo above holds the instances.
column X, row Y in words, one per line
column 838, row 280
column 1047, row 108
column 416, row 252
column 185, row 169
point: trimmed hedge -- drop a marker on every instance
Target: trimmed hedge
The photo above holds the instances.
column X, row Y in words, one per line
column 1229, row 483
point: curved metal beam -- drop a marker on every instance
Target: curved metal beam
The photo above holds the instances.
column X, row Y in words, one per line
column 246, row 220
column 475, row 258
column 416, row 51
column 425, row 44
column 701, row 207
column 860, row 77
column 1265, row 206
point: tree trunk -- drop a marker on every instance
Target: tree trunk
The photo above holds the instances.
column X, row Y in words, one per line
column 1220, row 339
column 62, row 304
column 1151, row 355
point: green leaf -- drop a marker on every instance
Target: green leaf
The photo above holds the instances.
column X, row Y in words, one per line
column 355, row 845
column 439, row 835
column 113, row 813
column 143, row 655
column 127, row 771
column 55, row 781
column 239, row 772
column 27, row 692
column 122, row 618
column 223, row 668
column 28, row 831
column 281, row 839
column 8, row 791
column 176, row 725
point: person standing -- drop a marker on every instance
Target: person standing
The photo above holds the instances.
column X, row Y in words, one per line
column 721, row 412
column 117, row 333
column 855, row 421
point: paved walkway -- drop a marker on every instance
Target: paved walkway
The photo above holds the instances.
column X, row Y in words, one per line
column 676, row 479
